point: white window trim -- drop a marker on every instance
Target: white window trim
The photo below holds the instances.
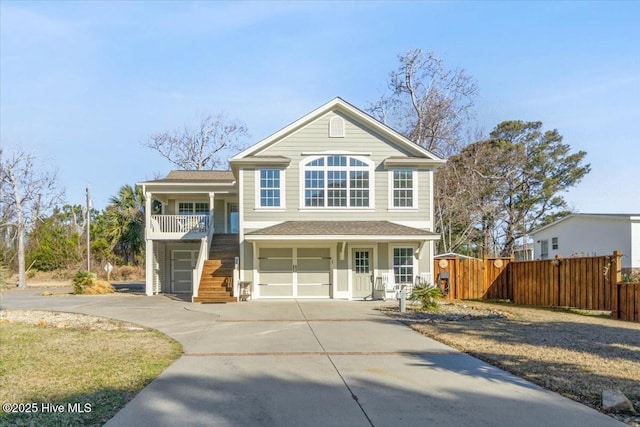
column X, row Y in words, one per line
column 193, row 202
column 283, row 203
column 413, row 248
column 414, row 178
column 372, row 192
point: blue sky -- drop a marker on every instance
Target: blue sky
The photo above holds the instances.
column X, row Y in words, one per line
column 82, row 84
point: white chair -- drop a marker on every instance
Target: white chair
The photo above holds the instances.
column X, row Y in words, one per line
column 390, row 286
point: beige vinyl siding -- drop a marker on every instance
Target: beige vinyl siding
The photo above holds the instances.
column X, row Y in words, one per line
column 342, row 284
column 383, row 257
column 218, row 216
column 247, row 262
column 314, row 139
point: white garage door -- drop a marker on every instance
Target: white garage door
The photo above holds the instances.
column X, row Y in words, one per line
column 294, row 272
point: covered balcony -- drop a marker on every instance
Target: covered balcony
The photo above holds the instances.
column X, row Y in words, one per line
column 178, row 227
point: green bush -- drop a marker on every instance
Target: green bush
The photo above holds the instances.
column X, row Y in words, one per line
column 428, row 295
column 81, row 280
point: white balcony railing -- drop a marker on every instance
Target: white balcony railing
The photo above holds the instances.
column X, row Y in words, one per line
column 181, row 224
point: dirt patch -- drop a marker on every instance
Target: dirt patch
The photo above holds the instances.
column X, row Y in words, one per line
column 65, row 320
column 575, row 355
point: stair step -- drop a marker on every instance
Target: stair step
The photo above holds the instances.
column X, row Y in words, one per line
column 214, row 299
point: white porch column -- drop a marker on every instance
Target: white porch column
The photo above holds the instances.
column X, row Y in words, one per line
column 148, row 250
column 149, row 264
column 211, row 200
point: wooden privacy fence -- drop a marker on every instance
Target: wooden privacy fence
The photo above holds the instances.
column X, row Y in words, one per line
column 589, row 283
column 473, row 278
column 627, row 302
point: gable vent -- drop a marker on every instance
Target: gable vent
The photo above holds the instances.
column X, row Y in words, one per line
column 336, row 127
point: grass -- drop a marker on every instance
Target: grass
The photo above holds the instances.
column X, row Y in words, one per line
column 563, row 350
column 101, row 368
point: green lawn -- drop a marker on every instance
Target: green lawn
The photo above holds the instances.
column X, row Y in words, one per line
column 84, row 375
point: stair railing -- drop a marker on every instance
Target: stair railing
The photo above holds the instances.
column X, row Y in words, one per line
column 203, row 255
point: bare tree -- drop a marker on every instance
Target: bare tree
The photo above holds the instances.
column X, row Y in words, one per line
column 428, row 103
column 28, row 190
column 200, row 148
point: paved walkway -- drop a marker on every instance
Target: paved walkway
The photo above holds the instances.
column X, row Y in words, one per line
column 312, row 363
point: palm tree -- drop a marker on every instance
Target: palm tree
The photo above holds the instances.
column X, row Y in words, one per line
column 125, row 223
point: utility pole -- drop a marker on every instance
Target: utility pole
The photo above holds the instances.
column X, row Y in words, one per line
column 88, row 222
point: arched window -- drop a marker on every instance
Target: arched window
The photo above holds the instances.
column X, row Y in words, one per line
column 337, row 181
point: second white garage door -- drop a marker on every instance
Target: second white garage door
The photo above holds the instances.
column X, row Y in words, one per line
column 294, row 272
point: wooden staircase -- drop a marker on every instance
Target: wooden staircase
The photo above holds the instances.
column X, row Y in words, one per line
column 216, row 283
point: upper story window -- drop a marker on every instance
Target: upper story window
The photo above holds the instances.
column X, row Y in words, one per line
column 269, row 190
column 544, row 249
column 193, row 208
column 403, row 191
column 337, row 181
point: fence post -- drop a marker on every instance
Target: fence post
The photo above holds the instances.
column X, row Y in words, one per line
column 614, row 277
column 558, row 277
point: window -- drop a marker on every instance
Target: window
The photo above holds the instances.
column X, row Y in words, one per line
column 403, row 265
column 544, row 249
column 269, row 188
column 193, row 208
column 554, row 243
column 361, row 259
column 402, row 189
column 337, row 182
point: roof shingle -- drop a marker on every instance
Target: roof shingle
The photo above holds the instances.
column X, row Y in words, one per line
column 340, row 228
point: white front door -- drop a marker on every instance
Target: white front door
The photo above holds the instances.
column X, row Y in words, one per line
column 182, row 265
column 362, row 272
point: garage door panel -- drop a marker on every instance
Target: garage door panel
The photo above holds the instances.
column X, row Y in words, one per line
column 276, row 291
column 314, row 252
column 276, row 253
column 312, row 265
column 276, row 278
column 276, row 265
column 314, row 291
column 319, row 278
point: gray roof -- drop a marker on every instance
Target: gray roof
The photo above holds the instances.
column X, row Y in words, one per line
column 340, row 228
column 197, row 176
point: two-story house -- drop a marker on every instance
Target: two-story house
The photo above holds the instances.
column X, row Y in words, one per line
column 323, row 208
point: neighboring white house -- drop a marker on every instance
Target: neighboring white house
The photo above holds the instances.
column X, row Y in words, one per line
column 320, row 209
column 590, row 235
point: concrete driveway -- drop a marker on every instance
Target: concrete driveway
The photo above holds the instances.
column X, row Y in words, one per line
column 312, row 363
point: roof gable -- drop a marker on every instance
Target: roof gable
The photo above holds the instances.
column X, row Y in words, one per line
column 341, row 107
column 615, row 217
